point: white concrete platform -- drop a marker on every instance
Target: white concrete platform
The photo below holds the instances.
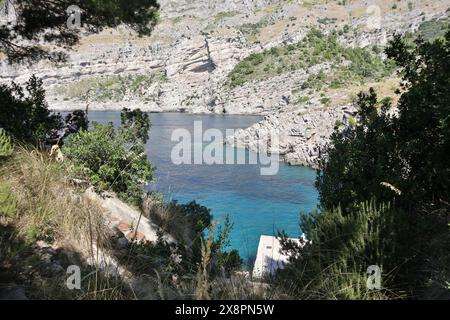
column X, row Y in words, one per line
column 269, row 257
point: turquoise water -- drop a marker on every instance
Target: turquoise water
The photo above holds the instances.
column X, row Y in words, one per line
column 256, row 204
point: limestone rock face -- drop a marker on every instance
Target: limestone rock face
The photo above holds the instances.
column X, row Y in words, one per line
column 185, row 63
column 301, row 136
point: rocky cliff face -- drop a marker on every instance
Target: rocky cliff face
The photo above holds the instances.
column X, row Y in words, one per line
column 301, row 136
column 195, row 46
column 184, row 65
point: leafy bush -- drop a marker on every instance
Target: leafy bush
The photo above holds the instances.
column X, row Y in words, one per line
column 325, row 101
column 80, row 117
column 340, row 248
column 302, row 100
column 6, row 147
column 25, row 115
column 315, row 81
column 433, row 29
column 256, row 58
column 110, row 160
column 185, row 222
column 352, row 121
column 251, row 30
column 346, row 28
column 200, row 247
column 135, row 125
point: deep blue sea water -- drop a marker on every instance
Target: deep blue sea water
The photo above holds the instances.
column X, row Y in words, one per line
column 256, row 204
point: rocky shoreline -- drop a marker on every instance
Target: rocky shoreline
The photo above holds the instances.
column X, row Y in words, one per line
column 302, row 136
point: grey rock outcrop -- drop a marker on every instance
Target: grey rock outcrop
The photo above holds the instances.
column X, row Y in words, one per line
column 302, row 135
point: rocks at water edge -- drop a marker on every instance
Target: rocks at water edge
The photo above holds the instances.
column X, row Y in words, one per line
column 302, row 135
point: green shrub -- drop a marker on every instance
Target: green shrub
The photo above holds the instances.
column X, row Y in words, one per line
column 302, row 100
column 433, row 29
column 110, row 160
column 400, row 159
column 251, row 30
column 315, row 81
column 410, row 6
column 352, row 121
column 135, row 125
column 275, row 51
column 256, row 58
column 6, row 147
column 386, row 101
column 333, row 264
column 326, row 101
column 346, row 28
column 192, row 226
column 24, row 114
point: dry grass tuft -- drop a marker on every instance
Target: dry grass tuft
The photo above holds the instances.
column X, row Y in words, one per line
column 50, row 210
column 49, row 207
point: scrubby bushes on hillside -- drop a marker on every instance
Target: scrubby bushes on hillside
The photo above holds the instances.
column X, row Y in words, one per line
column 110, row 161
column 315, row 48
column 187, row 223
column 47, row 225
column 43, row 198
column 39, row 203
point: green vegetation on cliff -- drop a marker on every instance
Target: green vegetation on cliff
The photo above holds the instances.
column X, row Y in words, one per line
column 347, row 65
column 103, row 157
column 48, row 224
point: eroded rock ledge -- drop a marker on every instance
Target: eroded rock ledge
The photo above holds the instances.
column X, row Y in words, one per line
column 302, row 135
